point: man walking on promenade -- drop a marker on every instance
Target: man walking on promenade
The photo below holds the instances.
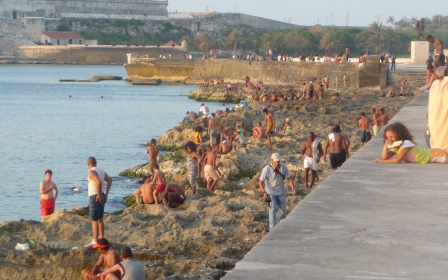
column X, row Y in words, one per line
column 272, row 186
column 153, row 152
column 338, row 149
column 376, row 121
column 384, row 118
column 364, row 126
column 97, row 176
column 48, row 194
column 270, row 121
column 312, row 148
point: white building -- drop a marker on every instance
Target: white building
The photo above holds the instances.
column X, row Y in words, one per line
column 61, row 38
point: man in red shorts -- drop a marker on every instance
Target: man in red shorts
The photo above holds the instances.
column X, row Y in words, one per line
column 173, row 193
column 48, row 194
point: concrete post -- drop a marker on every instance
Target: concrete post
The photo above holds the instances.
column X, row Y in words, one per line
column 419, row 52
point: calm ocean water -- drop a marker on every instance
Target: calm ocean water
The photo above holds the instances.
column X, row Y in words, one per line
column 42, row 128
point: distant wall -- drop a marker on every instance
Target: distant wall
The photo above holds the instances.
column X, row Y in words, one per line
column 94, row 54
column 271, row 72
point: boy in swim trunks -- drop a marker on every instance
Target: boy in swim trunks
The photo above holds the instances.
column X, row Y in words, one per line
column 108, row 258
column 270, row 121
column 48, row 194
column 146, row 190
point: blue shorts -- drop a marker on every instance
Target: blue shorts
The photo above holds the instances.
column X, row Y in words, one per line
column 96, row 208
column 364, row 136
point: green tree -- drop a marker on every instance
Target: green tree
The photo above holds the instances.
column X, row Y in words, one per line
column 298, row 40
column 63, row 27
column 389, row 36
column 375, row 28
column 330, row 41
column 232, row 40
column 391, row 20
column 204, row 41
column 273, row 41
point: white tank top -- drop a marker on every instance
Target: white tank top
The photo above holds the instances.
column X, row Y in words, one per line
column 92, row 187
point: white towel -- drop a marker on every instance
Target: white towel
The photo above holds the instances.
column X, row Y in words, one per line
column 316, row 150
column 332, row 137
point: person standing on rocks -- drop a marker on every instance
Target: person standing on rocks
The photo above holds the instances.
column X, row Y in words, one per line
column 128, row 269
column 146, row 190
column 338, row 149
column 312, row 148
column 364, row 126
column 376, row 120
column 214, row 130
column 193, row 161
column 48, row 194
column 210, row 170
column 272, row 186
column 153, row 152
column 345, row 79
column 97, row 176
column 108, row 258
column 270, row 121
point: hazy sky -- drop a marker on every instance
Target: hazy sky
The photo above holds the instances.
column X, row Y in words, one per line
column 361, row 13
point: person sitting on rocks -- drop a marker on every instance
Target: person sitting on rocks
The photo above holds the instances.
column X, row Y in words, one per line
column 260, row 85
column 259, row 131
column 188, row 118
column 227, row 134
column 257, row 97
column 128, row 268
column 108, row 258
column 196, row 137
column 286, row 128
column 336, row 96
column 264, row 98
column 220, row 81
column 391, row 93
column 224, row 147
column 281, row 98
column 404, row 87
column 239, row 138
column 146, row 190
column 274, row 96
column 173, row 193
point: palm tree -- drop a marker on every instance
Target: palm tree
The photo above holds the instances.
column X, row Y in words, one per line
column 329, row 41
column 232, row 40
column 389, row 36
column 374, row 43
column 203, row 41
column 375, row 28
column 391, row 20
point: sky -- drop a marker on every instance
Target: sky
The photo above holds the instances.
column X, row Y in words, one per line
column 323, row 12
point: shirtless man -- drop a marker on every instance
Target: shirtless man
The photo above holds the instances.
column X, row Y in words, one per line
column 384, row 118
column 152, row 151
column 336, row 81
column 345, row 80
column 48, row 194
column 210, row 170
column 344, row 136
column 146, row 190
column 108, row 258
column 310, row 90
column 364, row 126
column 224, row 147
column 173, row 193
column 376, row 120
column 312, row 148
column 326, row 81
column 270, row 121
column 259, row 131
column 274, row 96
column 404, row 88
column 438, row 52
column 214, row 130
column 338, row 149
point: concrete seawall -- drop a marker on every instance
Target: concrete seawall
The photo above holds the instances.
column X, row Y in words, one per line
column 80, row 54
column 270, row 72
column 365, row 221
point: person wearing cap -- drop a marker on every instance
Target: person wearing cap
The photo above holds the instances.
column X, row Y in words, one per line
column 272, row 186
column 108, row 258
column 97, row 176
column 153, row 152
column 128, row 269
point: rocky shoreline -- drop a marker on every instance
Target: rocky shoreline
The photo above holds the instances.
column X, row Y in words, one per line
column 211, row 231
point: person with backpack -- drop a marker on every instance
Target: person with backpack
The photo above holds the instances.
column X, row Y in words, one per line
column 312, row 148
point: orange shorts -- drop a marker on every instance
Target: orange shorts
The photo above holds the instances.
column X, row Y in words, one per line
column 270, row 127
column 47, row 206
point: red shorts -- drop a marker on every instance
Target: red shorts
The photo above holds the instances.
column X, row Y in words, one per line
column 47, row 206
column 179, row 199
column 89, row 271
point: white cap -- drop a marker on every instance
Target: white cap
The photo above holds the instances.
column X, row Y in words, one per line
column 276, row 157
column 311, row 82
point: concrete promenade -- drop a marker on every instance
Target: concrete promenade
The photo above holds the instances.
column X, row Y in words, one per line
column 365, row 221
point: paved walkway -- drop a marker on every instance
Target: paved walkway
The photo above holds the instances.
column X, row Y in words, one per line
column 365, row 221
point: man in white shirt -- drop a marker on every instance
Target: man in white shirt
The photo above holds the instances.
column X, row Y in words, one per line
column 273, row 187
column 204, row 111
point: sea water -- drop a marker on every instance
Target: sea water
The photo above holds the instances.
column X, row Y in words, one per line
column 41, row 128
